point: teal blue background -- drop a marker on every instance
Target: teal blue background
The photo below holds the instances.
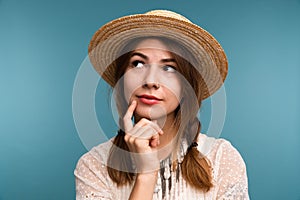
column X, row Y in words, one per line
column 43, row 43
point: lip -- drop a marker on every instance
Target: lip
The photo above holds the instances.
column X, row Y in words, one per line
column 149, row 99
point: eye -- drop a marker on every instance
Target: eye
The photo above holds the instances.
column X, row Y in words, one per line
column 169, row 68
column 138, row 64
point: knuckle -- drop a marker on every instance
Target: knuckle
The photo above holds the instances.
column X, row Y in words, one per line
column 126, row 138
column 130, row 139
column 154, row 125
column 136, row 142
column 144, row 120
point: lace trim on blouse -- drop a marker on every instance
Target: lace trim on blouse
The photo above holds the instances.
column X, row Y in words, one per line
column 229, row 175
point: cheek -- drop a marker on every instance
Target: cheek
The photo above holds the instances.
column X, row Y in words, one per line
column 174, row 89
column 131, row 83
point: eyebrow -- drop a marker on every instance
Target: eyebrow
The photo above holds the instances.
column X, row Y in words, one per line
column 146, row 57
column 139, row 54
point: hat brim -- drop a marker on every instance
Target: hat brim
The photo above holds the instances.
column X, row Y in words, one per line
column 107, row 42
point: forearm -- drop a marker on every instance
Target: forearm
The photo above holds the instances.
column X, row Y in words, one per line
column 144, row 186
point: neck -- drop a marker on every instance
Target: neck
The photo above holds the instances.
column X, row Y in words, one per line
column 168, row 139
column 169, row 129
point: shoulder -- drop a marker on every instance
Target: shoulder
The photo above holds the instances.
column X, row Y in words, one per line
column 91, row 175
column 219, row 151
column 94, row 160
column 223, row 156
column 99, row 152
column 228, row 168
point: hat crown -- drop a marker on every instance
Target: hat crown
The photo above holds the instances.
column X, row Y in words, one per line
column 167, row 13
column 108, row 42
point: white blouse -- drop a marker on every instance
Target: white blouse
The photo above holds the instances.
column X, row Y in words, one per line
column 229, row 175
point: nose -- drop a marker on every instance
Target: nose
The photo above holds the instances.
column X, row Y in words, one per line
column 151, row 79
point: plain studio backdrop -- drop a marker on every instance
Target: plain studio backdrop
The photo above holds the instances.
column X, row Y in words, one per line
column 43, row 44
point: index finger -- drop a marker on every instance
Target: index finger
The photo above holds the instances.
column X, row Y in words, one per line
column 128, row 115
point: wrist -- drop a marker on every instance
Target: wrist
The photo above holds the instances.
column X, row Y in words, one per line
column 147, row 177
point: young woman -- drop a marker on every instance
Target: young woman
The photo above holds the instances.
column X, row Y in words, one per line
column 161, row 67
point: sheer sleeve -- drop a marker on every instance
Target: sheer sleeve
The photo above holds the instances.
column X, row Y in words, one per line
column 91, row 179
column 232, row 177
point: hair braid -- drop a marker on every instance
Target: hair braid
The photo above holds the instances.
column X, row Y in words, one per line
column 195, row 167
column 119, row 157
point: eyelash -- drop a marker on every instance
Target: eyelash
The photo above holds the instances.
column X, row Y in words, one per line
column 169, row 66
column 135, row 64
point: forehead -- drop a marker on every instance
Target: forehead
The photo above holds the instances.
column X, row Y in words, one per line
column 152, row 44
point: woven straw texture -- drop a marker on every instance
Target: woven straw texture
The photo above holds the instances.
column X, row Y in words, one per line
column 211, row 61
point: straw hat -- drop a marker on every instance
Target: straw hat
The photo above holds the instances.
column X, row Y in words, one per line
column 107, row 42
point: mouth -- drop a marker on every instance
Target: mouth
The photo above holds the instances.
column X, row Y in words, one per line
column 149, row 99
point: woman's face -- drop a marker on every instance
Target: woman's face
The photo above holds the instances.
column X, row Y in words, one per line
column 152, row 80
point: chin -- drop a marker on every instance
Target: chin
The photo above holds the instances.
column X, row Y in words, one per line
column 150, row 113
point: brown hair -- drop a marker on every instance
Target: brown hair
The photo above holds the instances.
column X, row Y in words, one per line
column 195, row 167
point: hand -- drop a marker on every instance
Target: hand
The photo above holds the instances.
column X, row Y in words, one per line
column 142, row 140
